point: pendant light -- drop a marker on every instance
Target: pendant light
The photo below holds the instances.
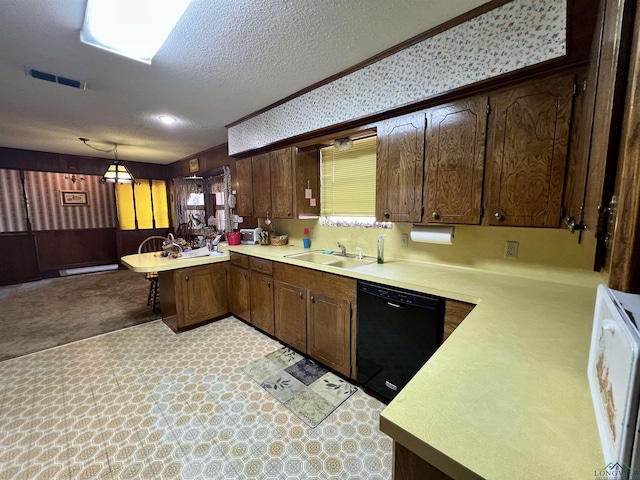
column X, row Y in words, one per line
column 117, row 173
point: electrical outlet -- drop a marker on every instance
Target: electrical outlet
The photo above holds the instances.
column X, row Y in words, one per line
column 511, row 250
column 404, row 240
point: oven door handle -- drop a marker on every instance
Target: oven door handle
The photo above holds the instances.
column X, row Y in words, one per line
column 394, row 305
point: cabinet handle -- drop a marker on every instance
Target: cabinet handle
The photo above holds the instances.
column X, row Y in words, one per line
column 387, row 214
column 245, row 275
column 300, row 293
column 260, row 267
column 269, row 284
column 288, row 214
column 497, row 216
column 313, row 299
column 186, row 278
column 435, row 215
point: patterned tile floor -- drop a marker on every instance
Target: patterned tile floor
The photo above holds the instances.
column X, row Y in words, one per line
column 146, row 403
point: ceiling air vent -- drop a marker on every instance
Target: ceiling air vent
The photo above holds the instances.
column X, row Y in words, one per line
column 50, row 77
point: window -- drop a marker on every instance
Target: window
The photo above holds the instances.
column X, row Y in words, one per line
column 349, row 180
column 142, row 204
column 201, row 202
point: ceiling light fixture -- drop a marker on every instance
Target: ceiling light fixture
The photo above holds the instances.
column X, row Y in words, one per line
column 116, row 172
column 134, row 29
column 167, row 120
column 342, row 144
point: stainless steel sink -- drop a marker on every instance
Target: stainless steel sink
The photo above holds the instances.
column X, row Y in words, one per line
column 332, row 259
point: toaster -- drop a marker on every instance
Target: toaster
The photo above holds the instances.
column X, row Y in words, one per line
column 250, row 236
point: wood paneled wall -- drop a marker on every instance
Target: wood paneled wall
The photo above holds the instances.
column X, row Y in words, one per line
column 57, row 162
column 58, row 249
column 19, row 262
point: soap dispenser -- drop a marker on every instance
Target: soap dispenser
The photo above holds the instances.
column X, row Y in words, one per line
column 381, row 248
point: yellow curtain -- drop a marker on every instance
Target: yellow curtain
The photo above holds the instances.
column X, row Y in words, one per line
column 142, row 211
column 160, row 206
column 126, row 212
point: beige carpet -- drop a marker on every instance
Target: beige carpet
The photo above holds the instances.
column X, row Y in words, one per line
column 39, row 315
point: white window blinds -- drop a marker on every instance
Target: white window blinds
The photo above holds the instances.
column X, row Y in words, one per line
column 349, row 179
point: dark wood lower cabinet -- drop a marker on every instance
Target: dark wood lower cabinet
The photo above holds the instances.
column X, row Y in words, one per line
column 262, row 302
column 454, row 313
column 291, row 315
column 239, row 296
column 194, row 295
column 329, row 331
column 408, row 466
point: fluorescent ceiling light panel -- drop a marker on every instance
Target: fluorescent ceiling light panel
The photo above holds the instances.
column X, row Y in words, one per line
column 133, row 28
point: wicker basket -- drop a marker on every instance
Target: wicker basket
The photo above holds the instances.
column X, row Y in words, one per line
column 277, row 241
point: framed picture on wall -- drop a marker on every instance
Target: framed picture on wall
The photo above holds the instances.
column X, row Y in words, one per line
column 74, row 197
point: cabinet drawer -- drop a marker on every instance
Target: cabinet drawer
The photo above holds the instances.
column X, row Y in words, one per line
column 261, row 265
column 239, row 260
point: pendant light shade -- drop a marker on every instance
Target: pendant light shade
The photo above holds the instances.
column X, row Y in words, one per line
column 117, row 173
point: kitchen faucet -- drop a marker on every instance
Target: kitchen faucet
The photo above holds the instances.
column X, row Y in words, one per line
column 359, row 252
column 343, row 249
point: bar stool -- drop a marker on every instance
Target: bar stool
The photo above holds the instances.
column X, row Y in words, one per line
column 153, row 243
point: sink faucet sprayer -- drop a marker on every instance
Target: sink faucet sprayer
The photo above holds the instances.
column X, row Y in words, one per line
column 343, row 249
column 359, row 250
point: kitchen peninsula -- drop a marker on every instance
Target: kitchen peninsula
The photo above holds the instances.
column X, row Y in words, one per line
column 192, row 290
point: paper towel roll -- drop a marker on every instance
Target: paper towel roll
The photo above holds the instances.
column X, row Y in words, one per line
column 432, row 234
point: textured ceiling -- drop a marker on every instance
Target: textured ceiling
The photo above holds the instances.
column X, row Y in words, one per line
column 224, row 60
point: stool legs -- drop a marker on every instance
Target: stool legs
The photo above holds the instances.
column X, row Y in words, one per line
column 154, row 292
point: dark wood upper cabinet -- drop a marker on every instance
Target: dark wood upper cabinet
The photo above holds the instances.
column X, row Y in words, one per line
column 244, row 188
column 527, row 143
column 454, row 162
column 261, row 175
column 281, row 183
column 307, row 176
column 399, row 168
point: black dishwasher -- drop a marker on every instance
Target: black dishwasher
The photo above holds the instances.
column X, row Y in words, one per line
column 398, row 331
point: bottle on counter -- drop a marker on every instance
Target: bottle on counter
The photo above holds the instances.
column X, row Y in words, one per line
column 381, row 248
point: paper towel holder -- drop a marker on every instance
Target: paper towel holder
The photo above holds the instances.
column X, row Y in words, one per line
column 436, row 234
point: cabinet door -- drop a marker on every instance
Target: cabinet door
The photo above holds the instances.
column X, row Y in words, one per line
column 262, row 302
column 261, row 174
column 291, row 315
column 282, row 183
column 399, row 169
column 239, row 296
column 244, row 188
column 329, row 331
column 306, row 169
column 201, row 294
column 526, row 153
column 454, row 162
